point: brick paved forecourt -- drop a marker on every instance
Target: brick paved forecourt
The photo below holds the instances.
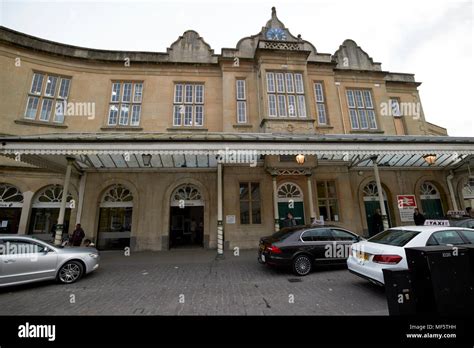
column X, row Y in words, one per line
column 153, row 283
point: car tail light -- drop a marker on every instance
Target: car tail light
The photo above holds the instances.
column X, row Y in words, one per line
column 387, row 259
column 274, row 249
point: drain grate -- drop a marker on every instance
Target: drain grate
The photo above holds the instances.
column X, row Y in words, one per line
column 294, row 280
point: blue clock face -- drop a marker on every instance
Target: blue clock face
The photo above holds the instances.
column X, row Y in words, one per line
column 276, row 34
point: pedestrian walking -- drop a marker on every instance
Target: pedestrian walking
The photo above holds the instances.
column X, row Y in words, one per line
column 418, row 217
column 77, row 236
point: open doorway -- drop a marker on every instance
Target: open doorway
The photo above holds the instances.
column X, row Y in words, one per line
column 186, row 227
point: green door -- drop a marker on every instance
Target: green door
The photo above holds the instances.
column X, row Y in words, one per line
column 297, row 210
column 370, row 207
column 432, row 208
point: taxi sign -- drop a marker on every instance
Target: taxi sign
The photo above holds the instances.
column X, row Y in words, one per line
column 436, row 223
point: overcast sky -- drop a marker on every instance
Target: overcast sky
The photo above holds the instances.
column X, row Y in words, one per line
column 431, row 38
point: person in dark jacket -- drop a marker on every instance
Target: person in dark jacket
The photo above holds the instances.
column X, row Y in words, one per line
column 377, row 222
column 418, row 217
column 77, row 236
column 290, row 220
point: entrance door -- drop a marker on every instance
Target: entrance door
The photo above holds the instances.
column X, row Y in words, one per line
column 186, row 217
column 290, row 200
column 370, row 208
column 431, row 201
column 186, row 227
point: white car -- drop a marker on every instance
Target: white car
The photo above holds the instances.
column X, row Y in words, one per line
column 387, row 249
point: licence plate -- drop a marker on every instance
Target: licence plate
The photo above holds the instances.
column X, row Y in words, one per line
column 262, row 257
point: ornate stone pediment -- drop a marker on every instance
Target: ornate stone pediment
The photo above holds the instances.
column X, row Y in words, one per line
column 191, row 48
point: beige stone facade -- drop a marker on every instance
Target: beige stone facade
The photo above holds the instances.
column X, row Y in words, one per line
column 190, row 62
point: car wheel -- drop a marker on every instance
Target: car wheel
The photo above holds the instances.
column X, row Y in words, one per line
column 302, row 265
column 70, row 272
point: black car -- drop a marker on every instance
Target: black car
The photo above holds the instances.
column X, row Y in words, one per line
column 462, row 222
column 302, row 247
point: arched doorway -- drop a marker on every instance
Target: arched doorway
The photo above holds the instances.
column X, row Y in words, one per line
column 431, row 205
column 11, row 203
column 468, row 193
column 115, row 218
column 371, row 203
column 186, row 217
column 45, row 212
column 290, row 200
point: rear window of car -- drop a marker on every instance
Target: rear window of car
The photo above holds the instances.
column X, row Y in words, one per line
column 469, row 235
column 285, row 233
column 394, row 237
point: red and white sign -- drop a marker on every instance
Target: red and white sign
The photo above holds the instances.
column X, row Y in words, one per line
column 406, row 201
column 406, row 206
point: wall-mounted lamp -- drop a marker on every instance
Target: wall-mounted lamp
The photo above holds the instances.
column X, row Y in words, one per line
column 430, row 159
column 146, row 159
column 300, row 159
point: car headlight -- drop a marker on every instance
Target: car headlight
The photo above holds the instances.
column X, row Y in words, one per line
column 94, row 256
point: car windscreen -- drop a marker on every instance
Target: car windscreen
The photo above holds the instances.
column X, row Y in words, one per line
column 393, row 237
column 284, row 233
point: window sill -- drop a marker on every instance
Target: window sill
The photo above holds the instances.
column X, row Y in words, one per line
column 373, row 131
column 187, row 128
column 40, row 123
column 121, row 128
column 325, row 126
column 242, row 125
column 289, row 119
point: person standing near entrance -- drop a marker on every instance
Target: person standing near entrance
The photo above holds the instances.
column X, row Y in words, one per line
column 418, row 217
column 377, row 222
column 290, row 220
column 77, row 236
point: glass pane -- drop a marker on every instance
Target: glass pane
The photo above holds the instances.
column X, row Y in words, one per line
column 138, row 93
column 37, row 83
column 199, row 115
column 241, row 112
column 331, row 189
column 301, row 106
column 280, row 83
column 282, row 105
column 322, row 114
column 178, row 94
column 199, row 90
column 244, row 191
column 127, row 92
column 64, row 88
column 272, row 109
column 354, row 119
column 124, row 112
column 113, row 114
column 31, row 108
column 333, row 210
column 177, row 115
column 188, row 115
column 371, row 117
column 115, row 92
column 318, row 88
column 358, row 97
column 59, row 111
column 240, row 89
column 188, row 94
column 244, row 212
column 51, row 86
column 270, row 82
column 290, row 87
column 136, row 109
column 256, row 215
column 255, row 194
column 363, row 119
column 350, row 99
column 299, row 83
column 292, row 105
column 368, row 99
column 46, row 109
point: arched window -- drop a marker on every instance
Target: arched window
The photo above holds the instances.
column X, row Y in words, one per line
column 11, row 203
column 186, row 194
column 45, row 211
column 371, row 192
column 289, row 191
column 428, row 191
column 115, row 218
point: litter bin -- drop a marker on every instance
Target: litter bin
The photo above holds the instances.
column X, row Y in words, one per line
column 399, row 291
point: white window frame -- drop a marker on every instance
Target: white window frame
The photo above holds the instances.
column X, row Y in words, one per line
column 361, row 115
column 241, row 104
column 120, row 102
column 182, row 105
column 287, row 86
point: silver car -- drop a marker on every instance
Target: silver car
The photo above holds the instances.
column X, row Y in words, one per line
column 24, row 259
